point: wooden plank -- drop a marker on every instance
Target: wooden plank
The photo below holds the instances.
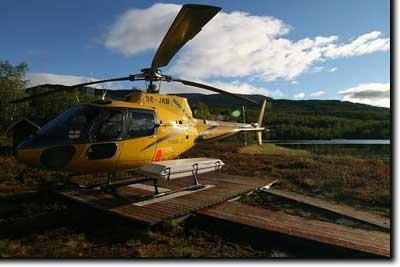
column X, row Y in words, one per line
column 324, row 232
column 344, row 210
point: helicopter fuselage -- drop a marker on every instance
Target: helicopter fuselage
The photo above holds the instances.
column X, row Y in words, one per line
column 106, row 136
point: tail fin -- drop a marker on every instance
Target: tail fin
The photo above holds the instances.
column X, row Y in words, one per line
column 259, row 122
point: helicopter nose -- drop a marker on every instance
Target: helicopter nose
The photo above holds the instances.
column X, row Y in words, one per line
column 57, row 157
column 30, row 157
column 51, row 158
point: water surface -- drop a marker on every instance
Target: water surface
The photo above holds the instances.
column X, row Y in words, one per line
column 332, row 142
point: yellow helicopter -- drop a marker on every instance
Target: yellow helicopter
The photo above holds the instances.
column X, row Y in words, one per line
column 108, row 135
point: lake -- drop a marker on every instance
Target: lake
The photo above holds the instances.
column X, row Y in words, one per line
column 341, row 147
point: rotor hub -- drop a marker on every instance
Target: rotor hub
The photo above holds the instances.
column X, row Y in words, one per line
column 151, row 74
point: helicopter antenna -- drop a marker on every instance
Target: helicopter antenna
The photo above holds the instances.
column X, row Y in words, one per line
column 159, row 85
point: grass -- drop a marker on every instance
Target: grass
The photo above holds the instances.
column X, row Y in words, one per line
column 271, row 149
column 100, row 236
column 363, row 183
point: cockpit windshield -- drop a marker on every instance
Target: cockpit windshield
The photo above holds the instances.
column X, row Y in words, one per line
column 85, row 123
column 90, row 124
column 81, row 124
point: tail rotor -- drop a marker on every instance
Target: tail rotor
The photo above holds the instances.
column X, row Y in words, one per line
column 260, row 120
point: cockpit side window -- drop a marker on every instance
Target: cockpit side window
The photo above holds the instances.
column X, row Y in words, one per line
column 140, row 123
column 108, row 126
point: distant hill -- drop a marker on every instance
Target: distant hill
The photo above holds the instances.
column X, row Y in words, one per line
column 282, row 104
column 316, row 107
column 307, row 119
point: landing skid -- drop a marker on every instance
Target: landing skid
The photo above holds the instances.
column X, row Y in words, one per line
column 111, row 187
column 168, row 170
column 153, row 172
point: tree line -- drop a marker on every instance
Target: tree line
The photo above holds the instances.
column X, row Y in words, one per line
column 337, row 120
column 12, row 86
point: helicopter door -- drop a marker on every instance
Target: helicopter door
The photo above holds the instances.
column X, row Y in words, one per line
column 105, row 141
column 140, row 140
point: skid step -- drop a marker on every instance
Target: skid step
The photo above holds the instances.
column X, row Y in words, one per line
column 171, row 195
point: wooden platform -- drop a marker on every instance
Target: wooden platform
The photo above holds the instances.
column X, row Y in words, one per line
column 219, row 188
column 347, row 211
column 212, row 202
column 329, row 233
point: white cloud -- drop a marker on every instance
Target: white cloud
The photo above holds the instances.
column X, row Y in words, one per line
column 317, row 69
column 234, row 45
column 50, row 78
column 376, row 94
column 299, row 95
column 364, row 44
column 138, row 30
column 318, row 93
column 332, row 69
column 294, row 82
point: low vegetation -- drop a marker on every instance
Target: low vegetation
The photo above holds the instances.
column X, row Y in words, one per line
column 358, row 182
column 271, row 149
column 123, row 242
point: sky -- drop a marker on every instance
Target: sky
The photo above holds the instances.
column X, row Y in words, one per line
column 291, row 49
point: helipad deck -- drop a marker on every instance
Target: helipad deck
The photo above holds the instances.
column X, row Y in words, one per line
column 373, row 242
column 218, row 188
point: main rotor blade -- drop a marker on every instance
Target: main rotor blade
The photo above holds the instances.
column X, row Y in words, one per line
column 188, row 23
column 61, row 88
column 128, row 78
column 214, row 89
